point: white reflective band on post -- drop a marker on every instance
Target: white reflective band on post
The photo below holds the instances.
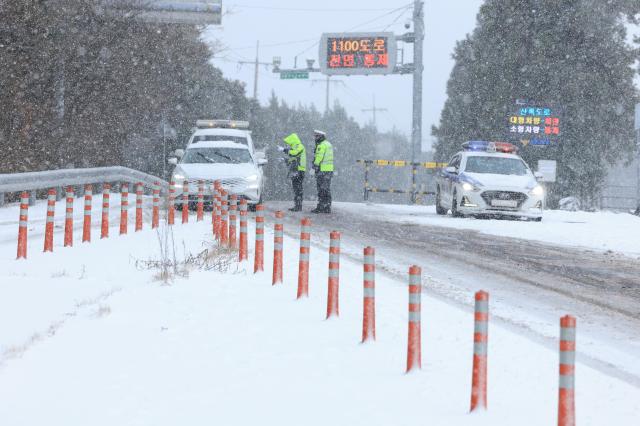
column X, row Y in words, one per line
column 414, row 316
column 51, row 208
column 334, row 258
column 259, row 237
column 334, row 243
column 305, row 243
column 23, row 212
column 334, row 273
column 480, row 348
column 369, row 260
column 568, row 357
column 568, row 333
column 414, row 298
column 306, row 230
column 49, row 219
column 482, row 306
column 243, row 229
column 414, row 279
column 87, row 202
column 369, row 276
column 369, row 292
column 23, row 223
column 481, row 327
column 278, row 246
column 567, row 381
column 304, row 257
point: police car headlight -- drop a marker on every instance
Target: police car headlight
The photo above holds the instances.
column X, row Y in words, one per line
column 179, row 178
column 468, row 187
column 537, row 191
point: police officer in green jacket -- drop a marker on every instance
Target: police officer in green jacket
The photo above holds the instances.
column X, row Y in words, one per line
column 297, row 162
column 323, row 167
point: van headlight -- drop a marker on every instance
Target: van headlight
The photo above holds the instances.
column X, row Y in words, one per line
column 468, row 187
column 252, row 181
column 179, row 178
column 538, row 191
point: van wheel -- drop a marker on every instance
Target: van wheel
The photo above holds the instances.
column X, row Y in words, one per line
column 439, row 209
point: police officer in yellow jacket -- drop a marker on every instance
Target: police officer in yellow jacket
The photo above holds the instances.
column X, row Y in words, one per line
column 297, row 162
column 323, row 167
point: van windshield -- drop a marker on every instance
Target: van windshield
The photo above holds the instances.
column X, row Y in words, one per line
column 217, row 155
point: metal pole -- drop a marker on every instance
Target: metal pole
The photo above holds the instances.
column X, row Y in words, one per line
column 164, row 147
column 418, row 25
column 326, row 110
column 637, row 212
column 255, row 78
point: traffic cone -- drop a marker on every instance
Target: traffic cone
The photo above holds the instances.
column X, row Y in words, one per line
column 139, row 194
column 86, row 224
column 244, row 243
column 124, row 208
column 369, row 295
column 414, row 360
column 278, row 244
column 333, row 293
column 104, row 226
column 480, row 346
column 566, row 391
column 51, row 209
column 303, row 264
column 22, row 225
column 68, row 221
column 258, row 261
column 155, row 215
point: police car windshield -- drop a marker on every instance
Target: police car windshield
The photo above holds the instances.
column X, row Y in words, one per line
column 216, row 155
column 496, row 165
column 218, row 138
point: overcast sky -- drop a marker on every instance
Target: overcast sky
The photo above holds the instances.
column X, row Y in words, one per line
column 295, row 27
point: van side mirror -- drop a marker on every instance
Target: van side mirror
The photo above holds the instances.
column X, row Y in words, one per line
column 179, row 153
column 262, row 161
column 173, row 161
column 451, row 169
column 538, row 175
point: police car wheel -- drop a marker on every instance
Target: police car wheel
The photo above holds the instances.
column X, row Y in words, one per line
column 454, row 206
column 439, row 209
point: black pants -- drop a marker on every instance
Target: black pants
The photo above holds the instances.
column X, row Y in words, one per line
column 297, row 181
column 323, row 183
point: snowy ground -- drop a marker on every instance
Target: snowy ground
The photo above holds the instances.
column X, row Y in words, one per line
column 597, row 231
column 91, row 339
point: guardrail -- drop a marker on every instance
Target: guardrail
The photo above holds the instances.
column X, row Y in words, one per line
column 414, row 192
column 32, row 181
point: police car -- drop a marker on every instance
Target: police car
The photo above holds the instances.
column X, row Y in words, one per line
column 489, row 179
column 220, row 150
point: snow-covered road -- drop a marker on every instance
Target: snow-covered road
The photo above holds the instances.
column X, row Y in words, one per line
column 90, row 338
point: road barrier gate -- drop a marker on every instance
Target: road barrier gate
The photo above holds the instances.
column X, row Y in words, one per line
column 414, row 191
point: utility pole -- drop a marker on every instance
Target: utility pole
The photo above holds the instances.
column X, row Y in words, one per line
column 257, row 64
column 328, row 82
column 418, row 67
column 374, row 110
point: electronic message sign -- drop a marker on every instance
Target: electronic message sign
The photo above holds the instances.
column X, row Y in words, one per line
column 358, row 53
column 535, row 124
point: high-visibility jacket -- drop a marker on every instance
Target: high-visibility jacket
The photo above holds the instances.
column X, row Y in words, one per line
column 324, row 156
column 297, row 152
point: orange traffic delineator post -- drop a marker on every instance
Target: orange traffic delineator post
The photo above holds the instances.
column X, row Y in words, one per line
column 278, row 246
column 51, row 211
column 566, row 394
column 233, row 208
column 185, row 202
column 86, row 223
column 213, row 210
column 155, row 215
column 217, row 210
column 244, row 242
column 22, row 225
column 68, row 220
column 124, row 208
column 333, row 293
column 303, row 263
column 200, row 205
column 224, row 218
column 104, row 227
column 139, row 194
column 414, row 344
column 369, row 295
column 171, row 209
column 258, row 261
column 480, row 346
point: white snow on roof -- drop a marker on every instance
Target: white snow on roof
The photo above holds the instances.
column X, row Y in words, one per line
column 217, row 144
column 222, row 132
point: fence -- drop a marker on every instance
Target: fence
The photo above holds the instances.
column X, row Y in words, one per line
column 414, row 191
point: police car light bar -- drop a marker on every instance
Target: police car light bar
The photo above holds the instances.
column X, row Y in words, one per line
column 484, row 146
column 222, row 124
